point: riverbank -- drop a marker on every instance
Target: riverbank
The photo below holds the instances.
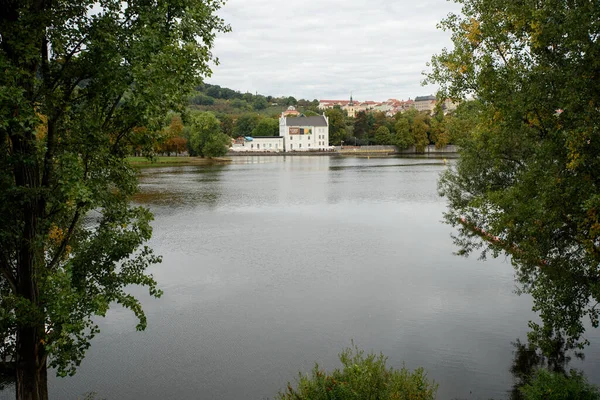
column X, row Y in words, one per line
column 144, row 162
column 450, row 151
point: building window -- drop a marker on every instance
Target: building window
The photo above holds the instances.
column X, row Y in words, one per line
column 300, row 145
column 258, row 146
column 270, row 145
column 251, row 146
column 291, row 146
column 291, row 138
column 309, row 145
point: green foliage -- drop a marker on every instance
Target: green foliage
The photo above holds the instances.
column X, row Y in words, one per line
column 259, row 103
column 362, row 377
column 78, row 90
column 290, row 101
column 439, row 134
column 463, row 121
column 527, row 180
column 245, row 124
column 217, row 145
column 202, row 100
column 337, row 125
column 266, row 127
column 548, row 385
column 404, row 137
column 363, row 123
column 412, row 129
column 226, row 124
column 206, row 138
column 383, row 136
column 420, row 128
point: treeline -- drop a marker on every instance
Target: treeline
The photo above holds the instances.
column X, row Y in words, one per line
column 200, row 133
column 228, row 101
column 247, row 114
column 206, row 130
column 411, row 128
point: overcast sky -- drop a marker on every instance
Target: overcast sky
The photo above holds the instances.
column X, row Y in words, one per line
column 325, row 49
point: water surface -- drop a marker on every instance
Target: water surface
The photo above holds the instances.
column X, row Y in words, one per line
column 273, row 263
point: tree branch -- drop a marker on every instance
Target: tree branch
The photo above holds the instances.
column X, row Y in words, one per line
column 66, row 239
column 515, row 251
column 10, row 278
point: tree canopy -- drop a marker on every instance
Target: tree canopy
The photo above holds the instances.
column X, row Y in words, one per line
column 266, row 127
column 206, row 138
column 80, row 82
column 528, row 180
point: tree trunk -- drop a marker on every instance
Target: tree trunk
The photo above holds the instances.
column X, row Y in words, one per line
column 30, row 363
column 32, row 375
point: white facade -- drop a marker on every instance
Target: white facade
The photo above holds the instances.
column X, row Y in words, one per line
column 305, row 133
column 269, row 144
column 425, row 103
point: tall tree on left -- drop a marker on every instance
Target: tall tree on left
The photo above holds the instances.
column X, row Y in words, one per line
column 77, row 77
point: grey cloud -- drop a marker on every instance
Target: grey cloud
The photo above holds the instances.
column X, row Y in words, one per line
column 326, row 48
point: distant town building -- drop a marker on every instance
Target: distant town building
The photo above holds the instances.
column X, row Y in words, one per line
column 291, row 110
column 304, row 133
column 390, row 107
column 449, row 106
column 425, row 103
column 352, row 108
column 326, row 104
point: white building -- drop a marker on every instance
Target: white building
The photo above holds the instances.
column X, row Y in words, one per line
column 425, row 103
column 258, row 144
column 304, row 133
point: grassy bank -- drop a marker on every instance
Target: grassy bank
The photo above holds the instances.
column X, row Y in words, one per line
column 143, row 162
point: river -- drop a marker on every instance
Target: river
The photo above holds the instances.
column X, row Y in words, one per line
column 273, row 263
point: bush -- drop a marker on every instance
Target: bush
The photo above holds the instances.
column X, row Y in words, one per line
column 548, row 385
column 362, row 377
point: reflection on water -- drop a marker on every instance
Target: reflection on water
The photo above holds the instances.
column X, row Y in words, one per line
column 154, row 191
column 527, row 359
column 273, row 263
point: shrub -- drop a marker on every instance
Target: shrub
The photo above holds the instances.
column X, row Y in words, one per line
column 548, row 385
column 362, row 377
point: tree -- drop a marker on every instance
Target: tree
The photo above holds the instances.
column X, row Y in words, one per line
column 75, row 86
column 463, row 121
column 404, row 137
column 379, row 120
column 290, row 101
column 438, row 131
column 217, row 145
column 260, row 103
column 337, row 125
column 527, row 181
column 266, row 127
column 548, row 385
column 419, row 130
column 202, row 100
column 226, row 124
column 172, row 140
column 245, row 124
column 206, row 138
column 383, row 136
column 363, row 122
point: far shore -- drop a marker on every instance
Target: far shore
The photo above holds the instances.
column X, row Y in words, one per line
column 172, row 161
column 175, row 161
